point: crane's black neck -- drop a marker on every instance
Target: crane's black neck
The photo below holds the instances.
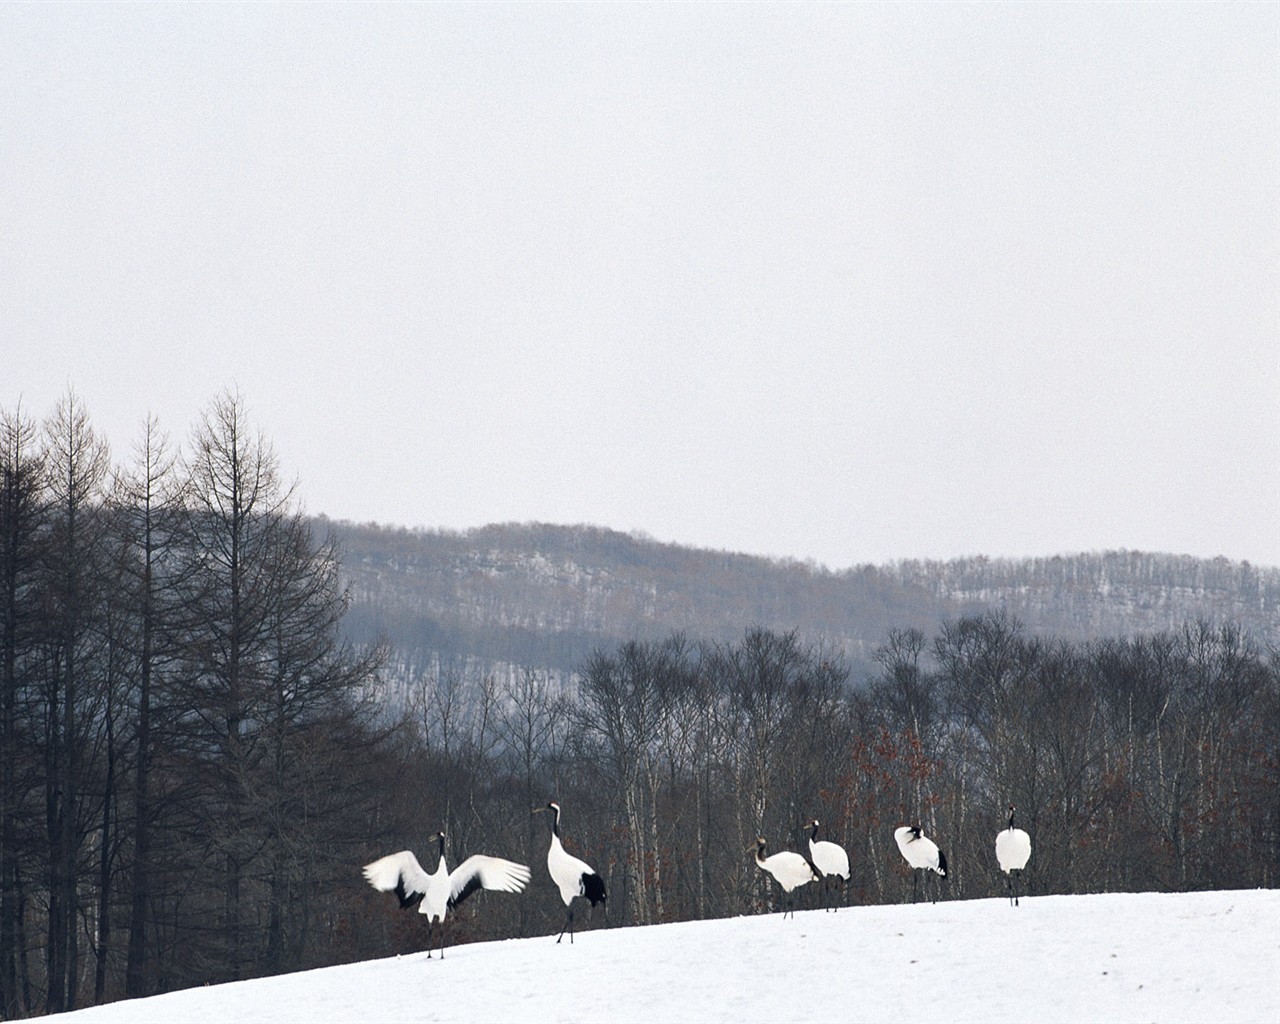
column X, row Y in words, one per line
column 1011, row 811
column 440, row 841
column 555, row 820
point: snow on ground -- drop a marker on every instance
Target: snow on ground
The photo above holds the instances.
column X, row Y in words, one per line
column 1212, row 956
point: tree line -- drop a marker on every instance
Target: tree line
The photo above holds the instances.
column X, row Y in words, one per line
column 1136, row 763
column 181, row 730
column 194, row 765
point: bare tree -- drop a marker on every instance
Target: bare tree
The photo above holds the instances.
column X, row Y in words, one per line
column 271, row 695
column 531, row 722
column 22, row 510
column 619, row 715
column 77, row 464
column 237, row 505
column 147, row 502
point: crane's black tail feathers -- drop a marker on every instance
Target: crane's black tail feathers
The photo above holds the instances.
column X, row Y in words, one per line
column 593, row 889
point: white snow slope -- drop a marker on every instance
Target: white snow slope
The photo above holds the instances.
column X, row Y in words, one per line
column 1211, row 956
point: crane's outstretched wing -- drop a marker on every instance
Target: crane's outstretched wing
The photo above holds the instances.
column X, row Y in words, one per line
column 481, row 872
column 399, row 873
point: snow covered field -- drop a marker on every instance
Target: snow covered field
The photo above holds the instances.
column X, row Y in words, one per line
column 1211, row 956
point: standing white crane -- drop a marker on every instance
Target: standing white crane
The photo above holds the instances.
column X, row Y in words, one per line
column 789, row 870
column 441, row 892
column 921, row 853
column 1013, row 850
column 829, row 858
column 572, row 876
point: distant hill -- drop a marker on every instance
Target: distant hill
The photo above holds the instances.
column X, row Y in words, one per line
column 544, row 596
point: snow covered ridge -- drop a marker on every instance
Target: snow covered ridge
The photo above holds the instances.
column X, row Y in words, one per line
column 1205, row 956
column 483, row 593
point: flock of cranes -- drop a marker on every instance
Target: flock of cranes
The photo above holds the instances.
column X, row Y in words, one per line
column 826, row 863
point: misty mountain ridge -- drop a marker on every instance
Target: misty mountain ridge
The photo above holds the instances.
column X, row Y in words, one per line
column 508, row 596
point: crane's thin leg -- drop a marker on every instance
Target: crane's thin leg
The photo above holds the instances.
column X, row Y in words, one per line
column 568, row 923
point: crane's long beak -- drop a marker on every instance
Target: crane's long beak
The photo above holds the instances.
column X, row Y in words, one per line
column 537, row 810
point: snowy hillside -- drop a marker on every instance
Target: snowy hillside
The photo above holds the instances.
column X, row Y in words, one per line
column 546, row 596
column 1211, row 956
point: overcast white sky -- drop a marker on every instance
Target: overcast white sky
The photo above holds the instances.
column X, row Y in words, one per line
column 849, row 283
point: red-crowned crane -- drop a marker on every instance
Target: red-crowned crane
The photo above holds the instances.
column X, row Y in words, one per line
column 572, row 876
column 921, row 853
column 829, row 858
column 436, row 894
column 789, row 870
column 1013, row 850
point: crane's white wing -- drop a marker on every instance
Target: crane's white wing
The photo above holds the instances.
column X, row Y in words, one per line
column 830, row 858
column 399, row 873
column 1013, row 849
column 481, row 872
column 920, row 851
column 790, row 869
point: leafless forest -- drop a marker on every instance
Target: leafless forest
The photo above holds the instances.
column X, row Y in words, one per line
column 198, row 748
